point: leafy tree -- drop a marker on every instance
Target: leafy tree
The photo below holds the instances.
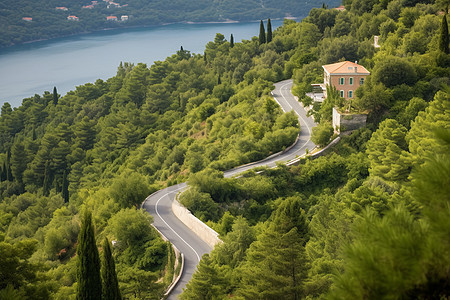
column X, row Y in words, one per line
column 322, row 18
column 129, row 190
column 138, row 283
column 373, row 96
column 262, row 33
column 393, row 71
column 88, row 267
column 110, row 286
column 201, row 205
column 322, row 134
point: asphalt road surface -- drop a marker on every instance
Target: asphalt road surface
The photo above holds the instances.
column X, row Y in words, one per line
column 159, row 204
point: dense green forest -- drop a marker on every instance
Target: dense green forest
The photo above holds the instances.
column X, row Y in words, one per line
column 368, row 221
column 371, row 219
column 48, row 22
column 105, row 146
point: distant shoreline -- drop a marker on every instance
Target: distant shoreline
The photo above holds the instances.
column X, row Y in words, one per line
column 135, row 27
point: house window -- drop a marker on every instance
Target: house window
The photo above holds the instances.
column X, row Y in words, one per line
column 342, row 94
column 350, row 81
column 361, row 81
column 350, row 94
column 341, row 81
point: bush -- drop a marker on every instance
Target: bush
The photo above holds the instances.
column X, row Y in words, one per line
column 322, row 134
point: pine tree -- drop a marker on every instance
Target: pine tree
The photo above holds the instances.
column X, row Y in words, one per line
column 231, row 41
column 205, row 283
column 109, row 278
column 88, row 264
column 444, row 39
column 55, row 96
column 262, row 33
column 65, row 187
column 269, row 31
column 276, row 263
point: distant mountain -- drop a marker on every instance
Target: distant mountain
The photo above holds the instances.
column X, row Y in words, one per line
column 26, row 20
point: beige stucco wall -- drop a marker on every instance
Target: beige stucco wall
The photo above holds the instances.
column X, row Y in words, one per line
column 346, row 87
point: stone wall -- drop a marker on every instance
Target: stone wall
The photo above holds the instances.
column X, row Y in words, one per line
column 207, row 234
column 346, row 122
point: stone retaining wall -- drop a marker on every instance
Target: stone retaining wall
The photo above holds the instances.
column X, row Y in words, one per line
column 345, row 123
column 207, row 234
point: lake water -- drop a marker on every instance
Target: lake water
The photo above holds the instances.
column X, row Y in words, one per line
column 33, row 68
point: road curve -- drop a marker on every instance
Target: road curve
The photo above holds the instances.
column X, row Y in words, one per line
column 159, row 204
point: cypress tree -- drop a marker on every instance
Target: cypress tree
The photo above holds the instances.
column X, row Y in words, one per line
column 55, row 96
column 269, row 31
column 219, row 81
column 262, row 33
column 3, row 172
column 88, row 265
column 9, row 176
column 46, row 184
column 65, row 188
column 109, row 278
column 231, row 41
column 444, row 39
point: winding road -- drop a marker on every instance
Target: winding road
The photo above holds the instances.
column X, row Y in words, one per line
column 159, row 204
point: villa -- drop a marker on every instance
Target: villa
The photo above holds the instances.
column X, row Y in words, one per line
column 345, row 76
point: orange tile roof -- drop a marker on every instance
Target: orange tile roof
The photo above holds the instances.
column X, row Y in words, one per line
column 340, row 8
column 345, row 67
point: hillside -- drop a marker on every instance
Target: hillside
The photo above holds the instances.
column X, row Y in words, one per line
column 369, row 220
column 49, row 19
column 105, row 146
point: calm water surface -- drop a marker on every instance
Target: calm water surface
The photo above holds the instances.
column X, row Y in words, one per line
column 31, row 69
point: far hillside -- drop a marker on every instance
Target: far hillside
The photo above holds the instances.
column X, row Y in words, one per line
column 25, row 20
